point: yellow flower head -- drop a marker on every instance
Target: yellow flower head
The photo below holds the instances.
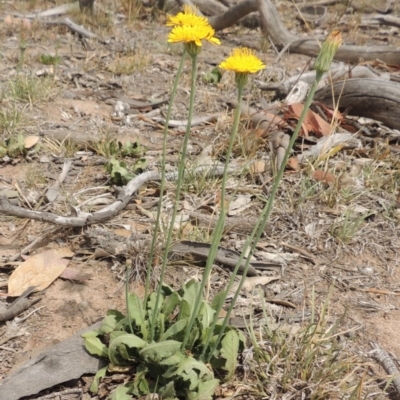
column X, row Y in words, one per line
column 242, row 61
column 189, row 16
column 192, row 34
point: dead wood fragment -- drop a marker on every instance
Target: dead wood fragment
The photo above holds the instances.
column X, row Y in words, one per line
column 274, row 28
column 17, row 306
column 54, row 190
column 383, row 358
column 370, row 98
column 233, row 14
column 224, row 256
column 81, row 218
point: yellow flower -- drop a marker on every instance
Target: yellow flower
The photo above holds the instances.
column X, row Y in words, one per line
column 192, row 34
column 243, row 61
column 328, row 51
column 189, row 16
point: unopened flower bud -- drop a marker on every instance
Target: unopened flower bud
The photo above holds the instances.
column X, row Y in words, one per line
column 328, row 51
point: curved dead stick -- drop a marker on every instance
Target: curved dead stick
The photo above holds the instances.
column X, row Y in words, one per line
column 82, row 218
column 371, row 98
column 233, row 14
column 274, row 28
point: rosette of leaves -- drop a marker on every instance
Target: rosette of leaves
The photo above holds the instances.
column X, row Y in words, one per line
column 161, row 366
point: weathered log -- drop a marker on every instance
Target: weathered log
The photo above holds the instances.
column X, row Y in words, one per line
column 282, row 38
column 371, row 98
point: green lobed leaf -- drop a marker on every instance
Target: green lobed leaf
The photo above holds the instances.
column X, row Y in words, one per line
column 156, row 352
column 184, row 310
column 89, row 334
column 170, row 303
column 190, row 292
column 174, row 330
column 121, row 393
column 229, row 351
column 189, row 364
column 206, row 315
column 168, row 391
column 109, row 324
column 101, row 373
column 96, row 347
column 126, row 339
column 219, row 299
column 205, row 390
column 138, row 314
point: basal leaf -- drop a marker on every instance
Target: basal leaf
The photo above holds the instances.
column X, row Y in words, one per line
column 170, row 303
column 229, row 351
column 174, row 330
column 121, row 393
column 218, row 299
column 156, row 352
column 190, row 292
column 101, row 373
column 126, row 339
column 89, row 334
column 184, row 310
column 138, row 314
column 108, row 324
column 96, row 347
column 205, row 390
column 167, row 391
column 206, row 315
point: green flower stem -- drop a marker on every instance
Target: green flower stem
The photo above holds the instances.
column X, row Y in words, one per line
column 220, row 224
column 181, row 171
column 262, row 220
column 163, row 173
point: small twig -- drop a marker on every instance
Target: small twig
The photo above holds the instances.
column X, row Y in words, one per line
column 19, row 320
column 387, row 363
column 8, row 349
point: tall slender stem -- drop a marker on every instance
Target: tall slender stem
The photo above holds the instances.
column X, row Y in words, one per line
column 221, row 221
column 261, row 222
column 181, row 171
column 163, row 173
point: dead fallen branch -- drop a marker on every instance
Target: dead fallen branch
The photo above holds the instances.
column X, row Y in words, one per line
column 370, row 98
column 274, row 28
column 383, row 358
column 81, row 218
column 17, row 306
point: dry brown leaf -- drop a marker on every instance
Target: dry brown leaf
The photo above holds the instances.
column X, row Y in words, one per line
column 30, row 141
column 73, row 275
column 322, row 176
column 293, row 163
column 39, row 270
column 312, row 121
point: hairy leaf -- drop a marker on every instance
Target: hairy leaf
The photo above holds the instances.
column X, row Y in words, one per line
column 156, row 352
column 121, row 393
column 206, row 315
column 174, row 329
column 137, row 314
column 95, row 346
column 205, row 391
column 126, row 339
column 101, row 373
column 170, row 303
column 218, row 299
column 229, row 351
column 167, row 391
column 109, row 324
